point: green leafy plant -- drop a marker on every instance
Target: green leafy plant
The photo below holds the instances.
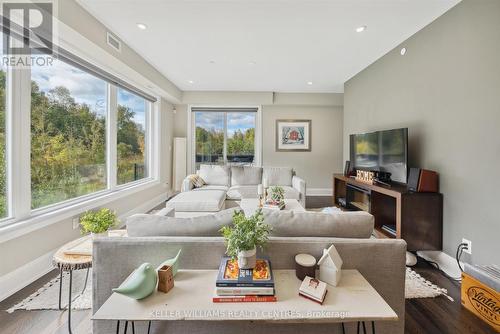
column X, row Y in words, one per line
column 98, row 221
column 277, row 194
column 245, row 233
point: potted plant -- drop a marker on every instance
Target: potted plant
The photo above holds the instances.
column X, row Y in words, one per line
column 277, row 194
column 244, row 236
column 99, row 221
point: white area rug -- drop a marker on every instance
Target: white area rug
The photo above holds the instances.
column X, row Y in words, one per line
column 418, row 287
column 46, row 298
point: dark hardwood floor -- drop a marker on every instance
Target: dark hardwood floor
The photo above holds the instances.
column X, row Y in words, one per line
column 423, row 316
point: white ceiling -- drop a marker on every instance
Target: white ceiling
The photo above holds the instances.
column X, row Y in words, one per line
column 264, row 45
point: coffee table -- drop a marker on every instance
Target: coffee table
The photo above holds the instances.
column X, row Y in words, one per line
column 353, row 300
column 250, row 205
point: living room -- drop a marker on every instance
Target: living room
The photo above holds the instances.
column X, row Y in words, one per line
column 351, row 139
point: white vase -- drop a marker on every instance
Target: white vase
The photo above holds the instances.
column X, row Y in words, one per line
column 247, row 259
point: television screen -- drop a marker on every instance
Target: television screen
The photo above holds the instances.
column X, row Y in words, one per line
column 385, row 151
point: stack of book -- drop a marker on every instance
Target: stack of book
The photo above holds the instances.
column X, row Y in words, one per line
column 274, row 205
column 235, row 285
column 391, row 229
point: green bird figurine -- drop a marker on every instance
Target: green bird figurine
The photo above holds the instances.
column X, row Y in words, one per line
column 140, row 284
column 174, row 263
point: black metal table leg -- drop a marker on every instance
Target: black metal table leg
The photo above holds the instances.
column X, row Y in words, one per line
column 117, row 326
column 126, row 328
column 86, row 280
column 364, row 328
column 373, row 327
column 343, row 328
column 357, row 330
column 133, row 327
column 60, row 287
column 149, row 326
column 69, row 300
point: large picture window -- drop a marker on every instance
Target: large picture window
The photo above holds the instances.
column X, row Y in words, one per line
column 71, row 134
column 68, row 132
column 224, row 136
column 131, row 144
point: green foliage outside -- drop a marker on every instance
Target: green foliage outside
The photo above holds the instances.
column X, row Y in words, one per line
column 98, row 221
column 245, row 233
column 68, row 147
column 211, row 143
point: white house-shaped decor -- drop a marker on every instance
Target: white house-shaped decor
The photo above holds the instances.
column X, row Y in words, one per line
column 330, row 266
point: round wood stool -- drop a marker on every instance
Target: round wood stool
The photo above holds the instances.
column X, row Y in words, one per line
column 69, row 262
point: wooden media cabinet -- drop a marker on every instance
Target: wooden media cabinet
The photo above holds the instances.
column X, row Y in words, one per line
column 417, row 217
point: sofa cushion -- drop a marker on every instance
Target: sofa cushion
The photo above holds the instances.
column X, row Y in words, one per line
column 144, row 225
column 278, row 176
column 246, row 175
column 239, row 192
column 214, row 174
column 317, row 224
column 200, row 199
column 211, row 187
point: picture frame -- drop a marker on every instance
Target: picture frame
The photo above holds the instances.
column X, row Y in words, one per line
column 293, row 135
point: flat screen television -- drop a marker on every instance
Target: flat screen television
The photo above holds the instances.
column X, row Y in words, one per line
column 385, row 151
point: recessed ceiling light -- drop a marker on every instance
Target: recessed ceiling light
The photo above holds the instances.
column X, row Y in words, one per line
column 191, row 81
column 403, row 51
column 251, row 63
column 361, row 29
column 309, row 83
column 141, row 26
column 212, row 61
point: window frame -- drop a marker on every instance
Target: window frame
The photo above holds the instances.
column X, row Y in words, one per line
column 191, row 133
column 18, row 165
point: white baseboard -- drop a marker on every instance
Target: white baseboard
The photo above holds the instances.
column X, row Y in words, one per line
column 446, row 263
column 319, row 192
column 23, row 276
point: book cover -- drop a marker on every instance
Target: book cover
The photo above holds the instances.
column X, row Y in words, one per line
column 244, row 299
column 313, row 289
column 244, row 291
column 231, row 276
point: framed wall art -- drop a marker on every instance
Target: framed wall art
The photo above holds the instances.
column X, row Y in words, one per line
column 293, row 135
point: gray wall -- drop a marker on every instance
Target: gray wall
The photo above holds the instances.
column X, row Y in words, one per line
column 446, row 90
column 325, row 158
column 325, row 111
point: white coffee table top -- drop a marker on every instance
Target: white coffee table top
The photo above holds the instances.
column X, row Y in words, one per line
column 250, row 205
column 354, row 299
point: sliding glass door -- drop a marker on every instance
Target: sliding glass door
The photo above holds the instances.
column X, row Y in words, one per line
column 224, row 136
column 209, row 138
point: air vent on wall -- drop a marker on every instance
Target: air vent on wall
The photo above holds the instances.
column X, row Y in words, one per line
column 114, row 42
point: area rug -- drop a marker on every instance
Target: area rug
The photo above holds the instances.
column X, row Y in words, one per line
column 418, row 287
column 46, row 298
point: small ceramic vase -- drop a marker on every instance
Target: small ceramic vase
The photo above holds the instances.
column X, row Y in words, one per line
column 247, row 259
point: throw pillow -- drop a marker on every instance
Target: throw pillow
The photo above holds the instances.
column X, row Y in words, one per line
column 196, row 180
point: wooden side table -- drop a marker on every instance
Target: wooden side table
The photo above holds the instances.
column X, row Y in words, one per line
column 70, row 262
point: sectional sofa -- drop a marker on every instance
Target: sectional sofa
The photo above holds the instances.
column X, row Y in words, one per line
column 226, row 184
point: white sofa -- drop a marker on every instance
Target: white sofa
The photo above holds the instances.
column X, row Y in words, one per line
column 226, row 184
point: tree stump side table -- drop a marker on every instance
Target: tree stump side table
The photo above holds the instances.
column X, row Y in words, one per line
column 70, row 262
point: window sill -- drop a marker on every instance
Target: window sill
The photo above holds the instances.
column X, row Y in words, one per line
column 47, row 216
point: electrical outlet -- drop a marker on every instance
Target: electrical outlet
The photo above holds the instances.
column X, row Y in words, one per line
column 467, row 250
column 76, row 222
